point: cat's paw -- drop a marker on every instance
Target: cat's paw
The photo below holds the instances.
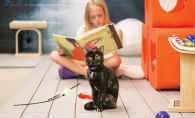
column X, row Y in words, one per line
column 98, row 109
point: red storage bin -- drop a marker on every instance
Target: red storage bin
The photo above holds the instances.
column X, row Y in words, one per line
column 181, row 16
column 166, row 74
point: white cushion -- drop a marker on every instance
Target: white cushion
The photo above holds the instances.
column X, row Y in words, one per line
column 133, row 72
column 131, row 29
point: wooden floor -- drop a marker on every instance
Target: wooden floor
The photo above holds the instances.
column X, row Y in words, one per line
column 137, row 98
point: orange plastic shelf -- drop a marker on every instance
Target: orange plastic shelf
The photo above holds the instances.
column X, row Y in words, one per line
column 166, row 74
column 181, row 16
column 144, row 51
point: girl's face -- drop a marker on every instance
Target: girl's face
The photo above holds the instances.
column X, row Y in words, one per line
column 97, row 16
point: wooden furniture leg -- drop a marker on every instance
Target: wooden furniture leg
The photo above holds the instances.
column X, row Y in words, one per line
column 187, row 80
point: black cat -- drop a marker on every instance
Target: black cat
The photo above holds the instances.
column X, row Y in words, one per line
column 103, row 81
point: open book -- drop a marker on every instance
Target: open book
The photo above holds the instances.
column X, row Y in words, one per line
column 105, row 35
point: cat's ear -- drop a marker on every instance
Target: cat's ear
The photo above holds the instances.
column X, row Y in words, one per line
column 101, row 49
column 85, row 51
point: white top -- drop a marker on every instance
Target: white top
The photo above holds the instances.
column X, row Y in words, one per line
column 81, row 31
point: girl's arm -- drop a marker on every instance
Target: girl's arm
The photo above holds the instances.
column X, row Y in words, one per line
column 80, row 31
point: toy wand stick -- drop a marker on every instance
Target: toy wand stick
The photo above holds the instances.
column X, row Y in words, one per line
column 50, row 99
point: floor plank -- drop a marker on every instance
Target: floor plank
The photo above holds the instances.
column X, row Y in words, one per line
column 62, row 115
column 188, row 115
column 10, row 115
column 9, row 60
column 126, row 61
column 170, row 94
column 133, row 101
column 35, row 115
column 119, row 112
column 12, row 78
column 136, row 60
column 25, row 92
column 65, row 104
column 46, row 90
column 89, row 114
column 153, row 98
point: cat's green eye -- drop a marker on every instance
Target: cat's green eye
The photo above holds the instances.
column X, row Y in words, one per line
column 90, row 58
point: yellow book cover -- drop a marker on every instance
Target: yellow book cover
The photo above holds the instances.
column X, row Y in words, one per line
column 103, row 36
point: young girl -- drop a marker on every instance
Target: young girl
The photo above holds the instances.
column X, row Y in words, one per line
column 96, row 15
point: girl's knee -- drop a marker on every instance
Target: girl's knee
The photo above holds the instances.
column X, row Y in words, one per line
column 117, row 60
column 54, row 55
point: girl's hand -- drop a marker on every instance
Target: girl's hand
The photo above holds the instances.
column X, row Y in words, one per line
column 60, row 50
column 114, row 53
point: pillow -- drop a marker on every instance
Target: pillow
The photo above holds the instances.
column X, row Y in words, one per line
column 131, row 31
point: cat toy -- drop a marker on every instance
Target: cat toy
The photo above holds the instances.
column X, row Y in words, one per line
column 51, row 99
column 191, row 37
column 84, row 96
column 186, row 40
column 178, row 39
column 189, row 44
column 162, row 114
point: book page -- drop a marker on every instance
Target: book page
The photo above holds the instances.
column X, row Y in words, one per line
column 98, row 37
column 72, row 47
column 103, row 36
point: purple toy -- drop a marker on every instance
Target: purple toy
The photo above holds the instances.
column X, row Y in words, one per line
column 65, row 73
column 191, row 37
column 162, row 114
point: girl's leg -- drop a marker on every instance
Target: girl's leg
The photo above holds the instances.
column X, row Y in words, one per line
column 113, row 62
column 73, row 65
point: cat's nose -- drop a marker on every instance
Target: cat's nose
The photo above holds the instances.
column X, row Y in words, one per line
column 96, row 63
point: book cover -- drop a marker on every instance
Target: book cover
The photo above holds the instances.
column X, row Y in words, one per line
column 105, row 35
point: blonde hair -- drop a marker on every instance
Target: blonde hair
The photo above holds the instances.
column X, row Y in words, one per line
column 89, row 5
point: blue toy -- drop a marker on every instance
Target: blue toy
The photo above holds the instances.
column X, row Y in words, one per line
column 193, row 41
column 162, row 114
